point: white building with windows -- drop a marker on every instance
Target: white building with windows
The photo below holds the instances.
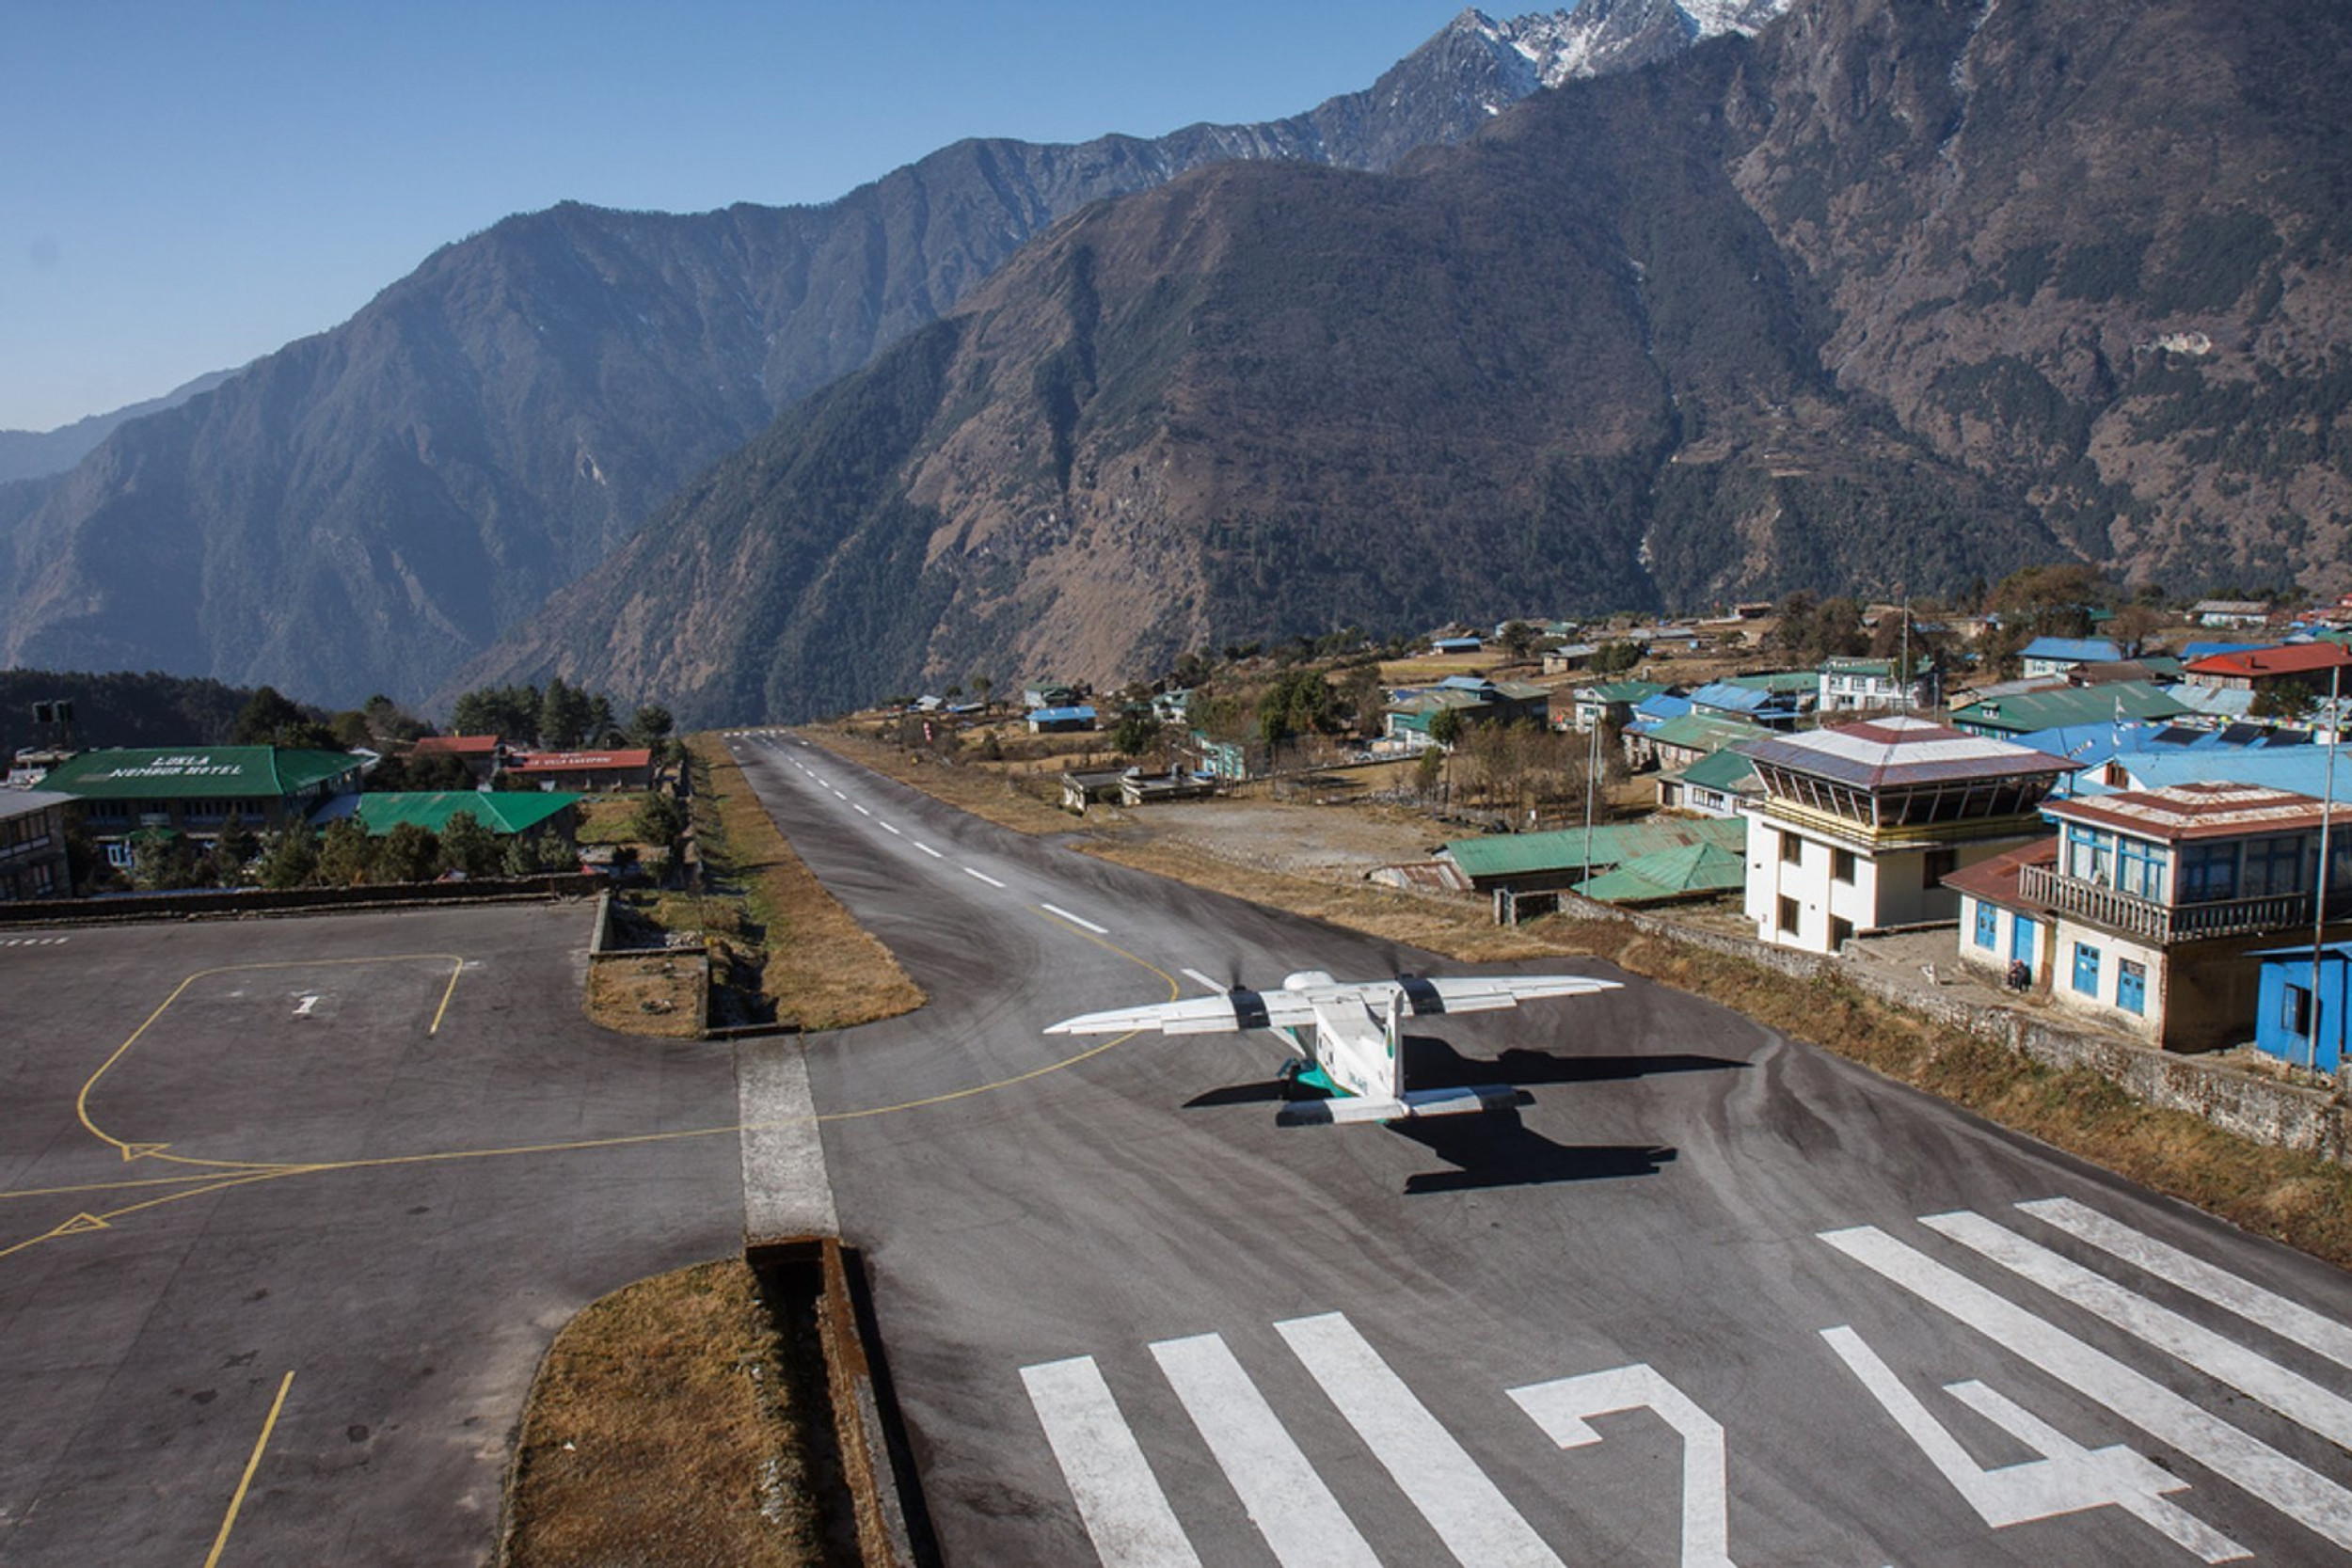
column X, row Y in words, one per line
column 1859, row 825
column 2145, row 914
column 1875, row 685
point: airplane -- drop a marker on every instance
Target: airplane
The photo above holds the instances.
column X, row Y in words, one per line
column 1352, row 1051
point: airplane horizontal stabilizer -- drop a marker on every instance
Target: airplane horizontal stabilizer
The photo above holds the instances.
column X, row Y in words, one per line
column 1415, row 1103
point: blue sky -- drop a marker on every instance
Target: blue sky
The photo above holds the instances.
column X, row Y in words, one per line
column 184, row 187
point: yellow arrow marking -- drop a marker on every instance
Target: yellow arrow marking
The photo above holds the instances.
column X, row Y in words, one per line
column 140, row 1152
column 79, row 1224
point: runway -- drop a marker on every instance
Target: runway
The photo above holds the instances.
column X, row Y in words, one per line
column 1715, row 1296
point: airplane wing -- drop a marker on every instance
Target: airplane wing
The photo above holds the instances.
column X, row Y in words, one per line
column 1479, row 993
column 1198, row 1015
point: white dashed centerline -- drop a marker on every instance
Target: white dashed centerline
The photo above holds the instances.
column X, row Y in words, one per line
column 892, row 827
column 861, row 810
column 983, row 876
column 838, row 795
column 1077, row 920
column 927, row 850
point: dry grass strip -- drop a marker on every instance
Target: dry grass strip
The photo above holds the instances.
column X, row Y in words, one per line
column 820, row 966
column 664, row 1429
column 649, row 993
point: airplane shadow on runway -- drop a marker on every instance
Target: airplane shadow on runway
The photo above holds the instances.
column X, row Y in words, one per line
column 1496, row 1148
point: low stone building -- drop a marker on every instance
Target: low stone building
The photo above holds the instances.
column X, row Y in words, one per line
column 32, row 845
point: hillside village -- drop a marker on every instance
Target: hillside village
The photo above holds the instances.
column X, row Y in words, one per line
column 2117, row 822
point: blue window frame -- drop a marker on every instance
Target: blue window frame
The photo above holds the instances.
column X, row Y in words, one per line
column 2131, row 986
column 1988, row 925
column 2139, row 869
column 2208, row 872
column 2085, row 969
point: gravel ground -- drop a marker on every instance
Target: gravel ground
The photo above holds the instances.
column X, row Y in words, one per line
column 1307, row 841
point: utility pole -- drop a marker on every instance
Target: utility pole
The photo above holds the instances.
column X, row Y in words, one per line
column 2326, row 821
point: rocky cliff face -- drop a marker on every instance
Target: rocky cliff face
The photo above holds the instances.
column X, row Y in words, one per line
column 1895, row 295
column 365, row 509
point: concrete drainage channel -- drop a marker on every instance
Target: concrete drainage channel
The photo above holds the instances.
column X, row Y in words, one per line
column 791, row 1239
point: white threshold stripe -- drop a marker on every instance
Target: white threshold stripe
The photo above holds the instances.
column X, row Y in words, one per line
column 1076, row 919
column 2290, row 1320
column 892, row 827
column 983, row 876
column 1212, row 985
column 1119, row 1500
column 927, row 850
column 2290, row 1394
column 2303, row 1494
column 1301, row 1521
column 1470, row 1514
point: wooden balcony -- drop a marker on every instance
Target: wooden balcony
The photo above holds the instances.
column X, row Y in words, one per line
column 2150, row 921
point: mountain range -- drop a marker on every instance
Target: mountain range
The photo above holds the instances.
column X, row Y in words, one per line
column 366, row 509
column 1892, row 295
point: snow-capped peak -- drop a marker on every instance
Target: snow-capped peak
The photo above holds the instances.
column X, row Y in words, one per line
column 1600, row 35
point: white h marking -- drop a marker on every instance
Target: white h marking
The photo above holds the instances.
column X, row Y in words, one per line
column 1125, row 1513
column 1469, row 1514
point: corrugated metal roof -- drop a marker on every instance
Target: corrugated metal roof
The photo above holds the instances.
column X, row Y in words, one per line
column 1892, row 752
column 1525, row 854
column 2022, row 712
column 2207, row 809
column 1701, row 731
column 24, row 803
column 1695, row 868
column 567, row 762
column 1726, row 769
column 501, row 810
column 195, row 773
column 2078, row 649
column 1619, row 691
column 2291, row 658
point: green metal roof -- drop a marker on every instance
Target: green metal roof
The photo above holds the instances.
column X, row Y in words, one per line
column 1725, row 770
column 501, row 810
column 2024, row 712
column 196, row 772
column 1778, row 680
column 1695, row 868
column 1619, row 691
column 1526, row 854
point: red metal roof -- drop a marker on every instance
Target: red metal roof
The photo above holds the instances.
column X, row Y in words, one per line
column 458, row 745
column 2291, row 658
column 2194, row 811
column 1890, row 753
column 573, row 762
column 1995, row 879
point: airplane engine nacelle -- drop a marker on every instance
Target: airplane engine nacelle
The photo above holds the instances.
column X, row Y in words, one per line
column 1307, row 979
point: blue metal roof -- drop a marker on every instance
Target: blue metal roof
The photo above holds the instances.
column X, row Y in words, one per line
column 2079, row 650
column 1727, row 698
column 2304, row 770
column 1662, row 705
column 1061, row 715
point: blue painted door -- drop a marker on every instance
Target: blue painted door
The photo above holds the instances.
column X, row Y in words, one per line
column 2131, row 987
column 2021, row 933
